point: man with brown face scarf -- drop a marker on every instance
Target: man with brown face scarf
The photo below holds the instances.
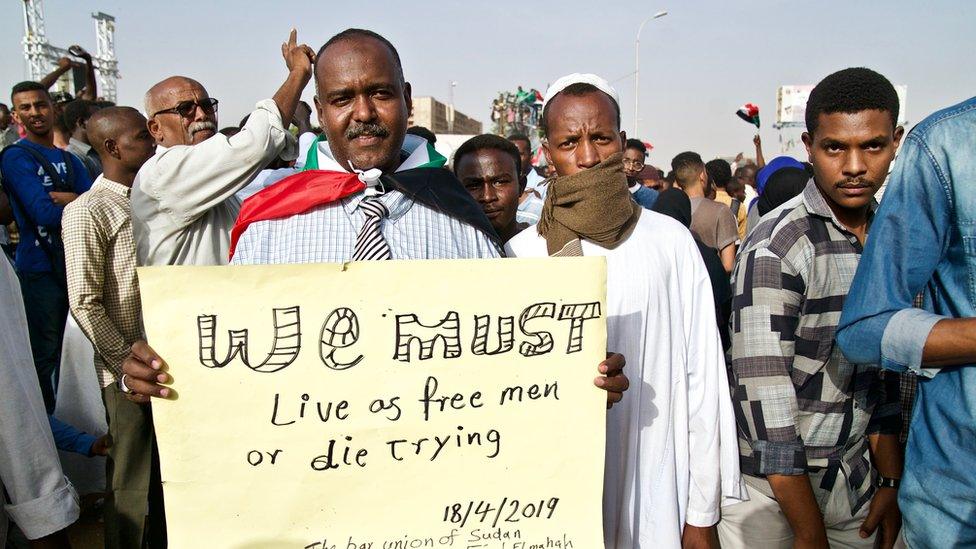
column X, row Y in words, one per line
column 660, row 315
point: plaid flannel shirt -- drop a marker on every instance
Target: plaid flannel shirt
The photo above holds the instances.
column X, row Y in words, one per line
column 103, row 291
column 800, row 406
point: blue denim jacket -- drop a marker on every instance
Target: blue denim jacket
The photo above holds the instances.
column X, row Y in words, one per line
column 923, row 239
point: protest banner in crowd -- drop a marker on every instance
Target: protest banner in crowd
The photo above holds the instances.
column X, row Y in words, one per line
column 381, row 404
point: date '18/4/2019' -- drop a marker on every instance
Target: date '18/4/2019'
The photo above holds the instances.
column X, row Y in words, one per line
column 510, row 510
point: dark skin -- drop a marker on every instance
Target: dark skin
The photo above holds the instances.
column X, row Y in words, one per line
column 362, row 103
column 582, row 133
column 746, row 175
column 490, row 175
column 633, row 162
column 123, row 142
column 359, row 87
column 851, row 154
column 34, row 111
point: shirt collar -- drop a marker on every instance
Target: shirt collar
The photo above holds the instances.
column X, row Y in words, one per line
column 395, row 201
column 105, row 183
column 80, row 145
column 420, row 154
column 816, row 204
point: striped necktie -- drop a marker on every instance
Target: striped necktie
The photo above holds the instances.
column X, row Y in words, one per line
column 370, row 243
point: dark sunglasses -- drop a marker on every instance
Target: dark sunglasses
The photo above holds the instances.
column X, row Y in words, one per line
column 186, row 109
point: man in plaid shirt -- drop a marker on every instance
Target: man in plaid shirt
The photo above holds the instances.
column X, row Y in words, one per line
column 103, row 295
column 818, row 435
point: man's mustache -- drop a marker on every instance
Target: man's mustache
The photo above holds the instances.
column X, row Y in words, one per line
column 202, row 125
column 370, row 129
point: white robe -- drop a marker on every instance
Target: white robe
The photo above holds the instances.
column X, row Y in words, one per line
column 672, row 453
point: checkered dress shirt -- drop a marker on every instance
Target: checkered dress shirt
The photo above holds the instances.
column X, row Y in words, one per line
column 103, row 291
column 801, row 407
column 328, row 234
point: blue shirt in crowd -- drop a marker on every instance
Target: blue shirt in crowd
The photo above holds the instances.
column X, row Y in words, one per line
column 923, row 239
column 69, row 438
column 23, row 177
column 645, row 196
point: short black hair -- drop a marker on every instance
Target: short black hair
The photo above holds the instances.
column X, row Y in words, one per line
column 520, row 137
column 4, row 108
column 78, row 111
column 26, row 86
column 637, row 145
column 849, row 91
column 360, row 33
column 421, row 131
column 719, row 171
column 576, row 90
column 686, row 166
column 489, row 141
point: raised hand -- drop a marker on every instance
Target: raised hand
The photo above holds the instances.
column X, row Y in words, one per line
column 298, row 57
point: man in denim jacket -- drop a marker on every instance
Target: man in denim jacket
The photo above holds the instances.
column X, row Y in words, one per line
column 924, row 240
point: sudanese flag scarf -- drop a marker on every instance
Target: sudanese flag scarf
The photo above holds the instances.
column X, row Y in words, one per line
column 421, row 177
column 593, row 204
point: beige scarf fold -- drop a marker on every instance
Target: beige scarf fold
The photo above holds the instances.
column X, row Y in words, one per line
column 594, row 205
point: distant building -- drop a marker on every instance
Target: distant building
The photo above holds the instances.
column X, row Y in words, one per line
column 440, row 118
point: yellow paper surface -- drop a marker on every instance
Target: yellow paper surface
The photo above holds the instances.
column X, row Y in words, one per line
column 239, row 471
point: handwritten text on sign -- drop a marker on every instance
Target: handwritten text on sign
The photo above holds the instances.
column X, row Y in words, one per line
column 393, row 404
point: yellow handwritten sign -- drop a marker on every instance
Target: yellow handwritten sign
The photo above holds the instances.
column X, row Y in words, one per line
column 396, row 404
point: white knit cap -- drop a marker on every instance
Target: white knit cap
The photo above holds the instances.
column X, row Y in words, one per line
column 578, row 78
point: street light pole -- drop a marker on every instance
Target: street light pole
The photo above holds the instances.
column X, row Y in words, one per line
column 640, row 29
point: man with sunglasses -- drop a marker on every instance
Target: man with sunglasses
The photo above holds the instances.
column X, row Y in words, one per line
column 183, row 203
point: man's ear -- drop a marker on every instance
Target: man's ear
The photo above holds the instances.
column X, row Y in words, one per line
column 154, row 130
column 408, row 97
column 899, row 133
column 111, row 148
column 545, row 150
column 623, row 140
column 319, row 111
column 808, row 143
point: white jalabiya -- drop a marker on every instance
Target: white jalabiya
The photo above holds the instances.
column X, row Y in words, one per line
column 671, row 448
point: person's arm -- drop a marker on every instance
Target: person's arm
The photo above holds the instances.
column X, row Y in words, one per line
column 907, row 240
column 20, row 178
column 883, row 433
column 768, row 291
column 91, row 87
column 795, row 497
column 760, row 161
column 299, row 59
column 727, row 255
column 84, row 252
column 38, row 497
column 303, row 118
column 190, row 181
column 727, row 238
column 69, row 438
column 64, row 65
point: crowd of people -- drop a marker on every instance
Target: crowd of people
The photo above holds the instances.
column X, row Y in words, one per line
column 799, row 361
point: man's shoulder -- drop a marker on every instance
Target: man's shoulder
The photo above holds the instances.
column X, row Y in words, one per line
column 947, row 119
column 528, row 243
column 782, row 229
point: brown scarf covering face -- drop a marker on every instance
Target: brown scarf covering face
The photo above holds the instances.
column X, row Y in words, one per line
column 594, row 205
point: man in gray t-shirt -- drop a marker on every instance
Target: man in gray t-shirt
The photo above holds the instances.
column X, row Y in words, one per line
column 711, row 222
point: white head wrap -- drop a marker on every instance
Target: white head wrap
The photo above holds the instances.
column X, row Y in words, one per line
column 578, row 78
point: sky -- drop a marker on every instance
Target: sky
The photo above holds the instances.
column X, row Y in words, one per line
column 697, row 65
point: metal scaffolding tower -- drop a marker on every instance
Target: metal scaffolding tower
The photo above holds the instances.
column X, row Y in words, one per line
column 42, row 57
